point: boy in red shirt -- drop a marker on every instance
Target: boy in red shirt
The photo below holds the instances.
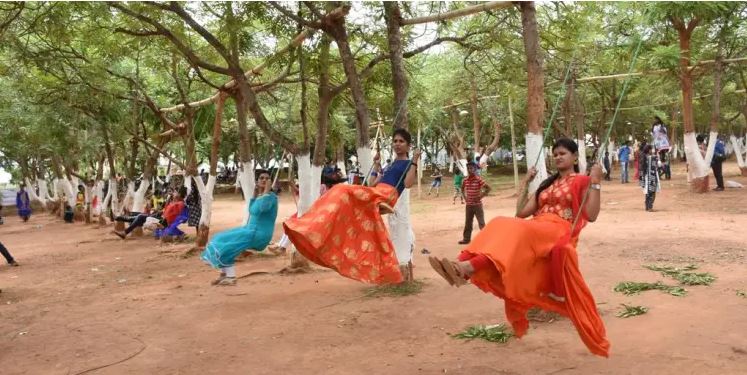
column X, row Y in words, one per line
column 473, row 189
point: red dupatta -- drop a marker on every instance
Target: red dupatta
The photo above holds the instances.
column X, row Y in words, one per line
column 559, row 251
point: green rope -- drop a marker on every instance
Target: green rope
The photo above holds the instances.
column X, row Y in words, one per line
column 561, row 96
column 609, row 128
column 396, row 116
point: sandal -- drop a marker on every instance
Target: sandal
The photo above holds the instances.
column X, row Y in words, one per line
column 219, row 279
column 439, row 268
column 454, row 271
column 385, row 209
column 227, row 281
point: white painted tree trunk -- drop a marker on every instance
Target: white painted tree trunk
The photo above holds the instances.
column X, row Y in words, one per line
column 306, row 185
column 712, row 136
column 67, row 190
column 535, row 151
column 138, row 196
column 245, row 179
column 129, row 194
column 55, row 189
column 484, row 162
column 98, row 193
column 697, row 165
column 32, row 192
column 365, row 159
column 43, row 190
column 451, row 165
column 206, row 198
column 740, row 150
column 341, row 165
column 462, row 165
column 112, row 198
column 582, row 163
column 400, row 230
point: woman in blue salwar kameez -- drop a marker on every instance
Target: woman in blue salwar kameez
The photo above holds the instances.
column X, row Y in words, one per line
column 224, row 247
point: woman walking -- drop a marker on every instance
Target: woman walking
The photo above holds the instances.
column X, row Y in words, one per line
column 649, row 180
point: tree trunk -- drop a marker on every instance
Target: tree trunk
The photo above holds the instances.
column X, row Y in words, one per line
column 698, row 169
column 363, row 120
column 400, row 83
column 535, row 153
column 476, row 126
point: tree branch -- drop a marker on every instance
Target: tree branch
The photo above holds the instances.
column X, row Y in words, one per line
column 184, row 49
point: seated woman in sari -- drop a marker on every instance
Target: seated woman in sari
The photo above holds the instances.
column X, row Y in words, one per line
column 533, row 263
column 344, row 230
column 224, row 247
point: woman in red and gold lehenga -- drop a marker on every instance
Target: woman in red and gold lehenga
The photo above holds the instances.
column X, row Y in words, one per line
column 344, row 230
column 533, row 263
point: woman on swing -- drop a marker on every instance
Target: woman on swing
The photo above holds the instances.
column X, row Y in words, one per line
column 533, row 263
column 344, row 230
column 224, row 247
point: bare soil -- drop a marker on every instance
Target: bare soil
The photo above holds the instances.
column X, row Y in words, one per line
column 83, row 298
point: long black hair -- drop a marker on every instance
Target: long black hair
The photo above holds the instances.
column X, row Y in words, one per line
column 567, row 144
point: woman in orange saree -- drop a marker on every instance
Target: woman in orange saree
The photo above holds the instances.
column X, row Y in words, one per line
column 533, row 263
column 343, row 230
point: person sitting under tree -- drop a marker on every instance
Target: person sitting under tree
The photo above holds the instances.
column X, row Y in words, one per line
column 474, row 188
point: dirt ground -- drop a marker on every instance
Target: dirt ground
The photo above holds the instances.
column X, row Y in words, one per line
column 83, row 298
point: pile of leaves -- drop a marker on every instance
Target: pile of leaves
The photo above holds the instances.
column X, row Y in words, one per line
column 496, row 333
column 630, row 310
column 683, row 275
column 741, row 293
column 631, row 287
column 396, row 290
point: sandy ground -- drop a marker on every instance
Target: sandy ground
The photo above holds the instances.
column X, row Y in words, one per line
column 82, row 298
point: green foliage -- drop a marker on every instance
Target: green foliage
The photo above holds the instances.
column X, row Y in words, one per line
column 684, row 277
column 395, row 290
column 631, row 310
column 496, row 333
column 631, row 288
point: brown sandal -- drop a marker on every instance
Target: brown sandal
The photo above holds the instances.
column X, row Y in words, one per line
column 439, row 268
column 454, row 271
column 385, row 209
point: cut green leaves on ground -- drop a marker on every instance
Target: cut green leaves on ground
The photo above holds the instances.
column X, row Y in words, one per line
column 496, row 333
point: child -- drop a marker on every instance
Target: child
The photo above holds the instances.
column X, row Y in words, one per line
column 458, row 178
column 473, row 189
column 69, row 214
column 649, row 176
column 437, row 176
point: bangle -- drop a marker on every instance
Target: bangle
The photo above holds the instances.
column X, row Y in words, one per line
column 597, row 187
